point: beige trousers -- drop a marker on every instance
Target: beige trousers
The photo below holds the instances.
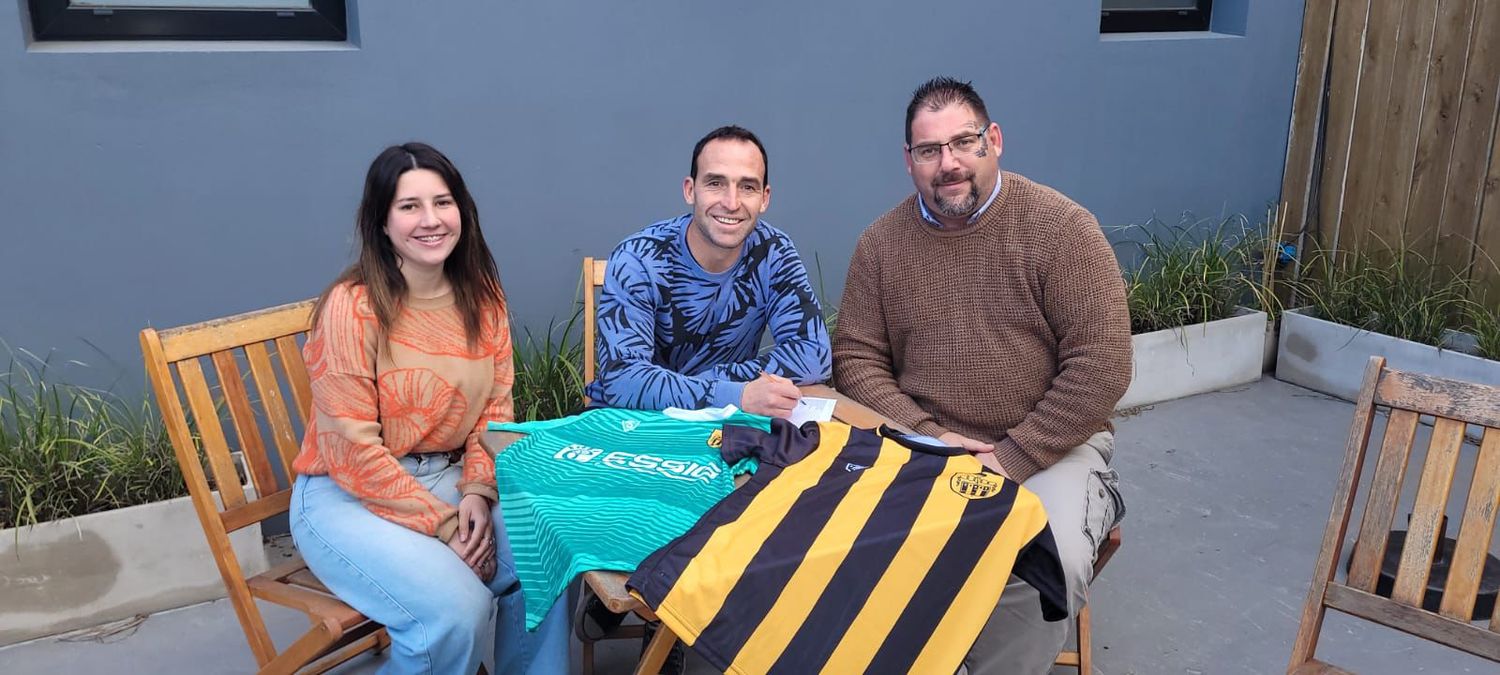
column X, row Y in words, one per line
column 1082, row 497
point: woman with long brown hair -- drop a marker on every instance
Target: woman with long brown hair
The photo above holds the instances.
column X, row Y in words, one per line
column 395, row 505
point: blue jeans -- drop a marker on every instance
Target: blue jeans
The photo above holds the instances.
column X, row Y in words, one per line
column 441, row 617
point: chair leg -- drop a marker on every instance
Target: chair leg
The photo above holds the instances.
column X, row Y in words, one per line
column 656, row 652
column 588, row 658
column 300, row 652
column 374, row 643
column 1085, row 643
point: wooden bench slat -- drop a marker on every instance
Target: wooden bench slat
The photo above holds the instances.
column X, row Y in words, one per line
column 1474, row 535
column 1425, row 528
column 1440, row 397
column 287, row 445
column 217, row 335
column 282, row 570
column 1426, row 625
column 169, row 402
column 306, row 579
column 1385, row 490
column 296, row 375
column 317, row 605
column 246, row 429
column 211, row 433
column 256, row 511
column 610, row 587
column 593, row 278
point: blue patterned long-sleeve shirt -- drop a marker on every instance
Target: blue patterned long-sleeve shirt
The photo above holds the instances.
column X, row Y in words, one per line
column 674, row 334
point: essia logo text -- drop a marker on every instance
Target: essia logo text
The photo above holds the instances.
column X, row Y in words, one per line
column 581, row 453
column 676, row 469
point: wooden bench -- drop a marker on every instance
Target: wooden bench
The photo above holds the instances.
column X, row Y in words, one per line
column 1453, row 405
column 264, row 343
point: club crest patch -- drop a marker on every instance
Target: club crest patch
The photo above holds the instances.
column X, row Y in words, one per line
column 716, row 439
column 974, row 485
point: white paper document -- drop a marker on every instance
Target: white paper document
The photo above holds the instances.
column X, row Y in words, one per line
column 812, row 409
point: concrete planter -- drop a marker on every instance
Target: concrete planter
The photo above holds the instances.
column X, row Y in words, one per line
column 1331, row 357
column 79, row 572
column 1194, row 359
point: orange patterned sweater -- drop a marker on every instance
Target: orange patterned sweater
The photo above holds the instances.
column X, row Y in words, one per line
column 423, row 390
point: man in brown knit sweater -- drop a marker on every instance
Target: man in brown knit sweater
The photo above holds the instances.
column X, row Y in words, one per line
column 988, row 311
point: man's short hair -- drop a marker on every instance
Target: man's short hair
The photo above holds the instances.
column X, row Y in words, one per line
column 940, row 92
column 734, row 133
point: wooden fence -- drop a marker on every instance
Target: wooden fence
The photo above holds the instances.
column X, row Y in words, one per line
column 1394, row 126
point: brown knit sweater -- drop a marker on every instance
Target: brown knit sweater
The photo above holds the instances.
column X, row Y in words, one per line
column 1012, row 330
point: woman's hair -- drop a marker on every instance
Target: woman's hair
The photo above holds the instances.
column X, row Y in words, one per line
column 470, row 268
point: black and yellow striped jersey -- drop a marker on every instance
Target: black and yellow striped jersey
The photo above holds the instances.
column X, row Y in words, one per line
column 850, row 551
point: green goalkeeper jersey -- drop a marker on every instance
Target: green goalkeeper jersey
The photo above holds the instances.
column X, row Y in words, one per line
column 604, row 489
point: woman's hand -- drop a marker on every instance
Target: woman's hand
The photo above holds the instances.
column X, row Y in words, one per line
column 475, row 541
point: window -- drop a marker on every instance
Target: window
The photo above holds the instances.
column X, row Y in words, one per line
column 188, row 20
column 1143, row 16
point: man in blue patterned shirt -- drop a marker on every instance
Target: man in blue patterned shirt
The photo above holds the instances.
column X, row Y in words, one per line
column 686, row 300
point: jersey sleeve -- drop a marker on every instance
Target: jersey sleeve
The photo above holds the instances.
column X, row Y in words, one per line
column 783, row 445
column 1039, row 565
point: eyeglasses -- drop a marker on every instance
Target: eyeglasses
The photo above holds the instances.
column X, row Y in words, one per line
column 927, row 153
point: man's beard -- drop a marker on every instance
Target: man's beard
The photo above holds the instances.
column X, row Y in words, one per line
column 955, row 208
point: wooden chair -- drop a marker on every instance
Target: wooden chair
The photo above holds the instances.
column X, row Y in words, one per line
column 1452, row 404
column 593, row 280
column 1082, row 657
column 609, row 586
column 174, row 359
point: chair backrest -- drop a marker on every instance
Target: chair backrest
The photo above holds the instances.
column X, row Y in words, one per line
column 258, row 341
column 593, row 280
column 1453, row 405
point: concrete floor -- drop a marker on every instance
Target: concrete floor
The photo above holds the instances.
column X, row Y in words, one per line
column 1228, row 494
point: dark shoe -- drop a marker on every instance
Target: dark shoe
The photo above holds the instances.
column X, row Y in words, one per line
column 676, row 663
column 593, row 621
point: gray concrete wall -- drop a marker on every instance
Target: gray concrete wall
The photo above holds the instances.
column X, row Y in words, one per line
column 164, row 187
